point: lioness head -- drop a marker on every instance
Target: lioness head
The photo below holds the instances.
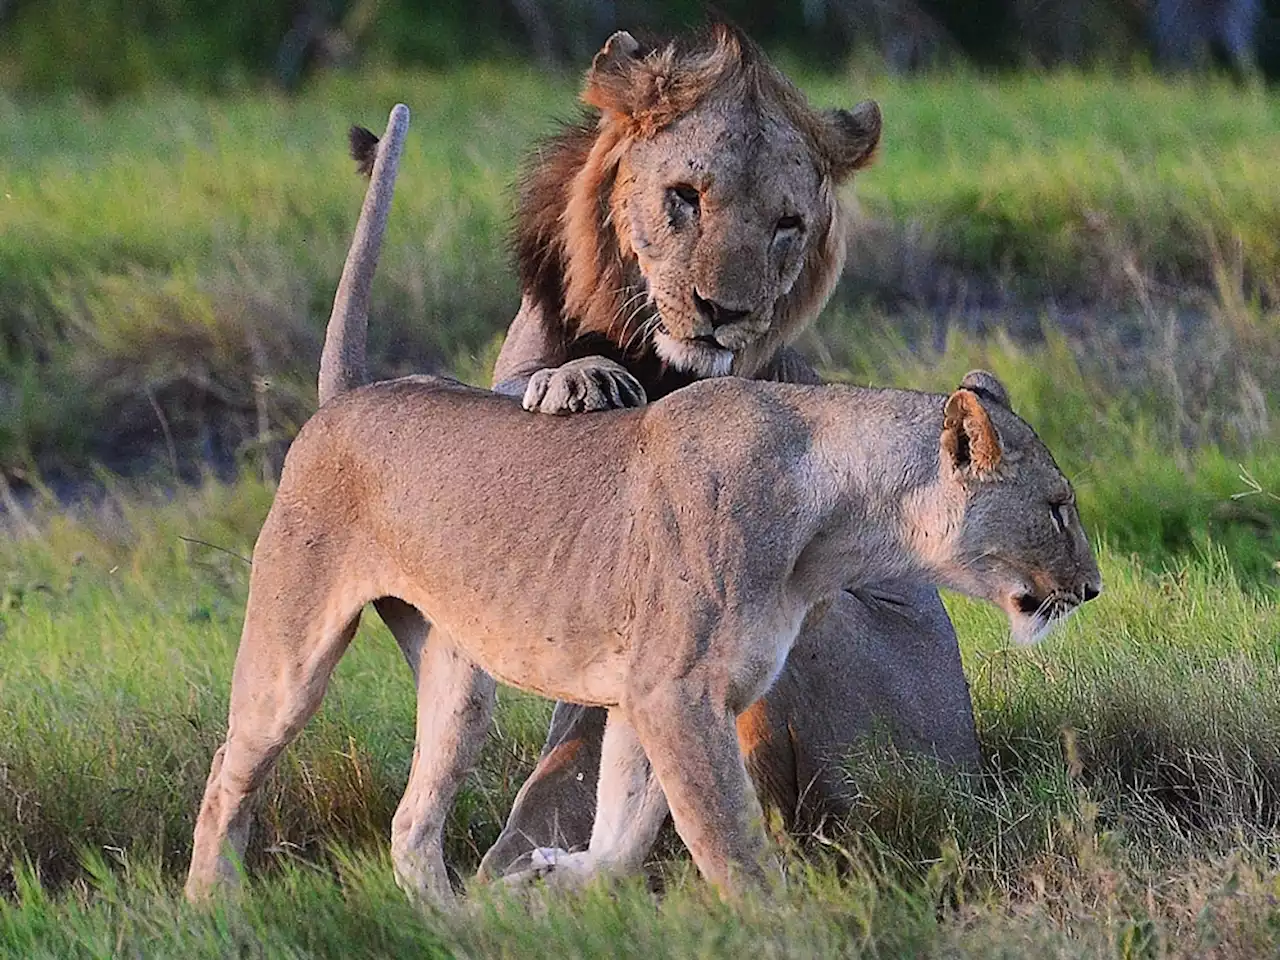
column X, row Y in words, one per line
column 1020, row 543
column 705, row 221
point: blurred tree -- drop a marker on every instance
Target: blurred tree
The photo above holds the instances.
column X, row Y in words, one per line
column 108, row 47
column 1187, row 31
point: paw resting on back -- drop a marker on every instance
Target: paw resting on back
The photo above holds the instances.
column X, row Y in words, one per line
column 583, row 386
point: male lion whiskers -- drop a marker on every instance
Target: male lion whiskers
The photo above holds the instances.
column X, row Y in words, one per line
column 672, row 597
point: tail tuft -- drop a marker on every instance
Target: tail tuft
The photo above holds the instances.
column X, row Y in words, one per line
column 364, row 149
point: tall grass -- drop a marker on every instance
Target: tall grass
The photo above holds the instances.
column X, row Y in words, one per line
column 166, row 262
column 1131, row 772
column 165, row 268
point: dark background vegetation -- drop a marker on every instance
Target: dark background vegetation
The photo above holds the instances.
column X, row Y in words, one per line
column 108, row 47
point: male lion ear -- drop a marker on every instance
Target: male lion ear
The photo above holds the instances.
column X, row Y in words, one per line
column 986, row 386
column 611, row 82
column 969, row 439
column 853, row 136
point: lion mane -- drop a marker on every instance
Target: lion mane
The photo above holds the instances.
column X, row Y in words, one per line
column 574, row 263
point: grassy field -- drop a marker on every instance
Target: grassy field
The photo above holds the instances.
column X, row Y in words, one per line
column 167, row 262
column 1128, row 800
column 165, row 269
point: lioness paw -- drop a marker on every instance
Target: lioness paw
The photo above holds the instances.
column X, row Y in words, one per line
column 583, row 386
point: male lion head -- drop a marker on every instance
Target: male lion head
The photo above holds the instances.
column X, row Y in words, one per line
column 698, row 215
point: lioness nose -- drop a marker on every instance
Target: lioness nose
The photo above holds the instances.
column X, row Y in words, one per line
column 716, row 314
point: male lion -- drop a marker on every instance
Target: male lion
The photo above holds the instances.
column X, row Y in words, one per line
column 671, row 597
column 692, row 229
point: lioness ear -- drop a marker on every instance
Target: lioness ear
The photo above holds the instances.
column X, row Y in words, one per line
column 611, row 81
column 986, row 386
column 852, row 136
column 969, row 439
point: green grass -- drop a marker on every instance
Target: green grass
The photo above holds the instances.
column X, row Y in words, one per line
column 1131, row 763
column 161, row 255
column 1130, row 790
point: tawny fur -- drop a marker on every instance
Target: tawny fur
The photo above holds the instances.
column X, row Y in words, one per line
column 586, row 338
column 672, row 598
column 342, row 364
column 602, row 258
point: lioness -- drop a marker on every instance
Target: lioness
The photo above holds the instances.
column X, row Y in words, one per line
column 672, row 597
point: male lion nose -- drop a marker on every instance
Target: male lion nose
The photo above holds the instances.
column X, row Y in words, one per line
column 716, row 314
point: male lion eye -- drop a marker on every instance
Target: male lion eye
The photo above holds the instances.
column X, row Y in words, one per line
column 685, row 194
column 790, row 224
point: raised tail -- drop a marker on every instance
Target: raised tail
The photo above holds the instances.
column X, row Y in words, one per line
column 342, row 364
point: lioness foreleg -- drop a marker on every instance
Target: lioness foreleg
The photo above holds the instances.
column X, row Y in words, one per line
column 692, row 744
column 455, row 704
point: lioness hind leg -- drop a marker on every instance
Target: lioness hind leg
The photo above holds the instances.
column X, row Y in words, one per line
column 692, row 744
column 630, row 810
column 455, row 704
column 286, row 655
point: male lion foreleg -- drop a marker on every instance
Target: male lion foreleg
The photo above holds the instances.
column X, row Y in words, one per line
column 556, row 804
column 286, row 655
column 877, row 660
column 630, row 810
column 873, row 662
column 692, row 744
column 455, row 705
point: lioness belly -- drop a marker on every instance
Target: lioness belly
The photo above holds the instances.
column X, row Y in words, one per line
column 556, row 671
column 547, row 655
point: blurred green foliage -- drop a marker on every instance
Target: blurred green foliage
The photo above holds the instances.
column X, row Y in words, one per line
column 109, row 47
column 167, row 262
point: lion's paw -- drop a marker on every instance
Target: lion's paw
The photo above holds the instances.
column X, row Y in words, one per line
column 545, row 858
column 555, row 867
column 583, row 386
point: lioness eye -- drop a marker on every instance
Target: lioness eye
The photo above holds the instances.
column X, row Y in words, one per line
column 1058, row 511
column 685, row 194
column 790, row 223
